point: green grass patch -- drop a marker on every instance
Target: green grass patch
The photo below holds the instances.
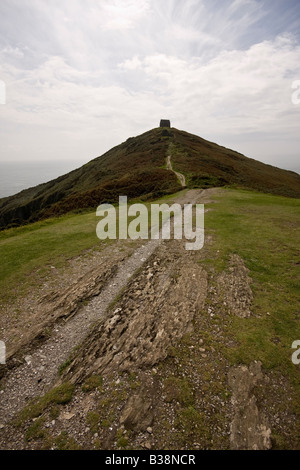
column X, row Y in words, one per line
column 191, row 426
column 123, row 442
column 264, row 231
column 178, row 390
column 35, row 248
column 65, row 442
column 64, row 366
column 59, row 395
column 93, row 420
column 28, row 253
column 36, row 430
column 92, row 383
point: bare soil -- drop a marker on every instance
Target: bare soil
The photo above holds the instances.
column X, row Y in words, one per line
column 180, row 176
column 150, row 321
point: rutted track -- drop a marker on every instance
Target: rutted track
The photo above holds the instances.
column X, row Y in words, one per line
column 161, row 294
column 39, row 370
column 180, row 176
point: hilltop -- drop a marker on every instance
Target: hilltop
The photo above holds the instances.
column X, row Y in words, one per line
column 138, row 168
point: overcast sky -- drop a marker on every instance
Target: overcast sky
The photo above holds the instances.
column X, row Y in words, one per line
column 81, row 76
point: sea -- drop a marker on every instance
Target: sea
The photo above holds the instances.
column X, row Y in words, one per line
column 16, row 176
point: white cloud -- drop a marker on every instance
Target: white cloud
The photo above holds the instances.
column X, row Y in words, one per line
column 131, row 64
column 251, row 83
column 122, row 14
column 94, row 73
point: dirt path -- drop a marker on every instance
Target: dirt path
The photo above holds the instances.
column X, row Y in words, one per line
column 180, row 176
column 153, row 328
column 39, row 370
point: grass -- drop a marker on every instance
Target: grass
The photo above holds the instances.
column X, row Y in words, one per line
column 92, row 383
column 28, row 252
column 64, row 366
column 191, row 426
column 93, row 419
column 65, row 442
column 137, row 168
column 122, row 442
column 206, row 164
column 264, row 231
column 32, row 250
column 178, row 390
column 133, row 168
column 36, row 430
column 59, row 395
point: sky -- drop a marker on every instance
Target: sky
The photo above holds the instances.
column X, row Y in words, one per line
column 78, row 77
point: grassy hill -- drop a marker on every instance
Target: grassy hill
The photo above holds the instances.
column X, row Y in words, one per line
column 206, row 164
column 136, row 168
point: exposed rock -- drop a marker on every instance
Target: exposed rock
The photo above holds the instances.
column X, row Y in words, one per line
column 147, row 445
column 67, row 415
column 143, row 331
column 137, row 414
column 61, row 303
column 249, row 428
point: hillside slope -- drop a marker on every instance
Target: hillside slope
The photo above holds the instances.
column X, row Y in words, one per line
column 137, row 168
column 206, row 164
column 133, row 168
